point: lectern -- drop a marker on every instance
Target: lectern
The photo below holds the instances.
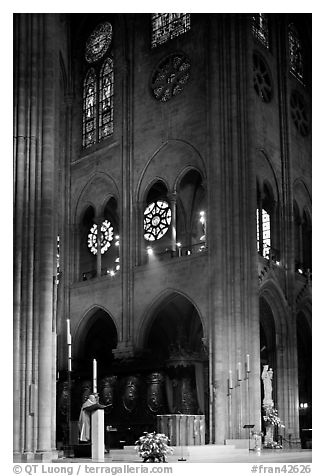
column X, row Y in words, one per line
column 97, row 435
column 97, row 431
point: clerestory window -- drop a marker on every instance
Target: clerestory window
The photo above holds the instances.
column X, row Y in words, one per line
column 296, row 61
column 166, row 26
column 260, row 28
column 98, row 87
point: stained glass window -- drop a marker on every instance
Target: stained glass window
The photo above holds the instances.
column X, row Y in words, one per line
column 260, row 28
column 98, row 42
column 106, row 237
column 89, row 108
column 295, row 53
column 166, row 26
column 157, row 218
column 106, row 89
column 170, row 77
column 98, row 87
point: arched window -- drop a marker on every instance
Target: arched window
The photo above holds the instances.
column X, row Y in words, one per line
column 89, row 108
column 98, row 87
column 260, row 28
column 296, row 61
column 166, row 26
column 106, row 90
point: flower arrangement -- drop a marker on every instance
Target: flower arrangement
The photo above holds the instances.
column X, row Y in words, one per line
column 271, row 416
column 153, row 446
column 274, row 445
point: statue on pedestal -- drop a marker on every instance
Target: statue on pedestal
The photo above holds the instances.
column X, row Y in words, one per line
column 267, row 376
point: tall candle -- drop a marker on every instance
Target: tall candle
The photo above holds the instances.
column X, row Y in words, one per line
column 94, row 376
column 239, row 376
column 69, row 359
column 68, row 332
column 230, row 379
column 248, row 368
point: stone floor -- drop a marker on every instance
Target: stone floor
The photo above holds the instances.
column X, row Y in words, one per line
column 218, row 456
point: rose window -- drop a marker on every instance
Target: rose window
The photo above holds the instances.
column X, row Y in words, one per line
column 170, row 77
column 262, row 78
column 98, row 42
column 298, row 113
column 106, row 236
column 157, row 218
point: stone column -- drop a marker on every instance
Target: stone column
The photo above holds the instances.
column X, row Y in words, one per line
column 35, row 72
column 47, row 237
column 172, row 200
column 99, row 221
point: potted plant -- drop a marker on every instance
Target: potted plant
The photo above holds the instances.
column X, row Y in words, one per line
column 153, row 447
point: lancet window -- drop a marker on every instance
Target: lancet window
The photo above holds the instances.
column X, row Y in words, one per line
column 166, row 26
column 260, row 28
column 296, row 60
column 98, row 87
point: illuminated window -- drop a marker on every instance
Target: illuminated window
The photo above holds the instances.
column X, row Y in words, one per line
column 157, row 218
column 98, row 42
column 260, row 28
column 98, row 87
column 166, row 26
column 89, row 109
column 106, row 237
column 263, row 230
column 106, row 89
column 295, row 53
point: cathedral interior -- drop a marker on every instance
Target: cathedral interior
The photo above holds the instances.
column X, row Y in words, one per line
column 186, row 139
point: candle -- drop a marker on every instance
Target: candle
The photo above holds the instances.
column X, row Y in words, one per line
column 69, row 359
column 248, row 368
column 68, row 332
column 230, row 379
column 239, row 376
column 94, row 376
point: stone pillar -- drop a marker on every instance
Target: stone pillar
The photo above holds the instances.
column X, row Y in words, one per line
column 99, row 221
column 47, row 236
column 172, row 200
column 35, row 82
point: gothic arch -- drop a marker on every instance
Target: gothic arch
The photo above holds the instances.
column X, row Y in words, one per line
column 85, row 323
column 266, row 174
column 154, row 181
column 273, row 295
column 158, row 303
column 168, row 161
column 98, row 190
column 302, row 196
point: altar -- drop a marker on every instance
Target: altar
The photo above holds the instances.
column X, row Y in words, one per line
column 182, row 429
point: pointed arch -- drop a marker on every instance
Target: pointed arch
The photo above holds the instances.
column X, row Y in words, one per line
column 156, row 305
column 89, row 128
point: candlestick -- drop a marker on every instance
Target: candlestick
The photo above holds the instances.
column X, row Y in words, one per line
column 94, row 376
column 248, row 368
column 230, row 380
column 68, row 332
column 239, row 376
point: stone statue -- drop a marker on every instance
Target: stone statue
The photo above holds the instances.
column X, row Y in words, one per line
column 267, row 376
